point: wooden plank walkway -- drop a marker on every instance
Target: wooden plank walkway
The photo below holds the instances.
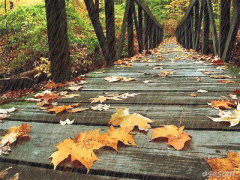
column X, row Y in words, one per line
column 163, row 100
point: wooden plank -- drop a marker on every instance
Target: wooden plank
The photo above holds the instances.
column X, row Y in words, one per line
column 194, row 116
column 213, row 28
column 110, row 30
column 123, row 30
column 148, row 158
column 224, row 23
column 98, row 28
column 145, row 98
column 232, row 32
column 46, row 172
column 206, row 28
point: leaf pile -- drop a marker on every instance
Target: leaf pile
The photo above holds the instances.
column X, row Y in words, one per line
column 14, row 133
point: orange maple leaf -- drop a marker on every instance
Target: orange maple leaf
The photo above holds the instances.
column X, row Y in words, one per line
column 223, row 104
column 81, row 148
column 176, row 136
column 225, row 168
column 53, row 85
column 58, row 109
column 48, row 97
column 124, row 119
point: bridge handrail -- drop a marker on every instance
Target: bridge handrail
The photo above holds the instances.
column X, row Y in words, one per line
column 188, row 34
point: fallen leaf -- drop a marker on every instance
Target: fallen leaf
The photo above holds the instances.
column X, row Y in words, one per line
column 4, row 172
column 15, row 177
column 237, row 92
column 67, row 121
column 76, row 110
column 220, row 76
column 125, row 120
column 48, row 97
column 125, row 79
column 32, row 100
column 226, row 81
column 5, row 111
column 74, row 88
column 121, row 134
column 222, row 104
column 176, row 136
column 199, row 79
column 232, row 96
column 218, row 62
column 202, row 91
column 148, row 81
column 13, row 134
column 100, row 107
column 53, row 85
column 232, row 118
column 81, row 148
column 113, row 79
column 70, row 96
column 225, row 168
column 58, row 109
column 193, row 95
column 164, row 73
column 100, row 99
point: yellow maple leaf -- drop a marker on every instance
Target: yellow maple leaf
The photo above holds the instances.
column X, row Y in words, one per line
column 176, row 136
column 81, row 148
column 100, row 99
column 124, row 119
column 122, row 134
column 225, row 168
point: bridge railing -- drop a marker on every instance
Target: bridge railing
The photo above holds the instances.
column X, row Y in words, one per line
column 190, row 28
column 149, row 31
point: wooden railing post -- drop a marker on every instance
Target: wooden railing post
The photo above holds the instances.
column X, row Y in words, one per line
column 206, row 28
column 97, row 28
column 110, row 30
column 232, row 32
column 213, row 27
column 140, row 20
column 130, row 29
column 196, row 16
column 150, row 34
column 224, row 23
column 146, row 31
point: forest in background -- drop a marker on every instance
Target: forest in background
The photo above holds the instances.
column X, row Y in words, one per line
column 23, row 32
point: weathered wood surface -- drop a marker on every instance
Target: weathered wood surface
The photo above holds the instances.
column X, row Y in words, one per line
column 149, row 158
column 162, row 101
column 27, row 172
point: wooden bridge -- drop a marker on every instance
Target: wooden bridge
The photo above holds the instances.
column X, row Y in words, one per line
column 162, row 100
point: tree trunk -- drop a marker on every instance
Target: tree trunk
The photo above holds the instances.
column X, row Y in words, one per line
column 58, row 40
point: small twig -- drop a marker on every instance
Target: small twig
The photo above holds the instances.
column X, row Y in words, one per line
column 181, row 117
